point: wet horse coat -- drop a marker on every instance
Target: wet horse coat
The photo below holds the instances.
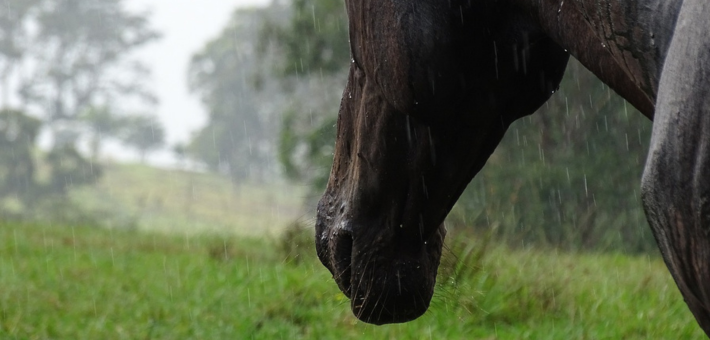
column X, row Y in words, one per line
column 434, row 85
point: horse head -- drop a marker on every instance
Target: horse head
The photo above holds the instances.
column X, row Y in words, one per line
column 432, row 88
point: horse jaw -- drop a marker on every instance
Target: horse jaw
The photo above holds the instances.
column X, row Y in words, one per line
column 376, row 230
column 404, row 151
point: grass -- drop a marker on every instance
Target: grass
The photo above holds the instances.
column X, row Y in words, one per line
column 89, row 283
column 175, row 201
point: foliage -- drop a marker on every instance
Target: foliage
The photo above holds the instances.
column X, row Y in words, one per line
column 12, row 16
column 78, row 48
column 313, row 44
column 14, row 39
column 313, row 163
column 315, row 40
column 77, row 63
column 73, row 282
column 295, row 244
column 102, row 122
column 20, row 181
column 18, row 133
column 567, row 176
column 238, row 136
column 234, row 75
column 69, row 169
column 143, row 133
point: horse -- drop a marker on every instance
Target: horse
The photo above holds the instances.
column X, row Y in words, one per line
column 433, row 86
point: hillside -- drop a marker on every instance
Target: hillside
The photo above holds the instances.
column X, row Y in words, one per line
column 189, row 202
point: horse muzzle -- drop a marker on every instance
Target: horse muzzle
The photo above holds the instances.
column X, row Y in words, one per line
column 388, row 277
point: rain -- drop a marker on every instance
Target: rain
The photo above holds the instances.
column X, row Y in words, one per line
column 161, row 166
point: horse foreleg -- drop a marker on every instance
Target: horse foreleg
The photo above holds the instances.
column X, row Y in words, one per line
column 676, row 180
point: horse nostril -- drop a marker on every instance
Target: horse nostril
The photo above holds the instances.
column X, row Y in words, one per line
column 342, row 260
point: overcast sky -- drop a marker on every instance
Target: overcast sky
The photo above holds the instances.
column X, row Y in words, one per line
column 186, row 26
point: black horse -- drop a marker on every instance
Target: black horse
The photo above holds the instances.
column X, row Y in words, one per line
column 434, row 85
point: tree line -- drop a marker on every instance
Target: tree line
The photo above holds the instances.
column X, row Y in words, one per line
column 66, row 71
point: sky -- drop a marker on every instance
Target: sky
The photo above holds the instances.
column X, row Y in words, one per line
column 186, row 25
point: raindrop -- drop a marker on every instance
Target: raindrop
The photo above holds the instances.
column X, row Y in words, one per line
column 626, row 135
column 409, row 133
column 495, row 53
column 431, row 146
column 517, row 136
column 426, row 192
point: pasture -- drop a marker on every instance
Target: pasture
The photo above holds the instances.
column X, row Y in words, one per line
column 173, row 201
column 83, row 282
column 87, row 283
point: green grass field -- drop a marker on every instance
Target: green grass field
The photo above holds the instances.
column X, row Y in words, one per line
column 173, row 201
column 89, row 283
column 209, row 260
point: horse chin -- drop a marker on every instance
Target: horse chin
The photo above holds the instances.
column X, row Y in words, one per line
column 388, row 281
column 395, row 292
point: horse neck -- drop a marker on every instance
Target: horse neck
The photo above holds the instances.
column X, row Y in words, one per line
column 623, row 43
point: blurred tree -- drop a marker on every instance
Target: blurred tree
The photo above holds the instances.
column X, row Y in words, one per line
column 143, row 133
column 180, row 152
column 18, row 133
column 68, row 169
column 101, row 123
column 306, row 154
column 79, row 49
column 312, row 44
column 238, row 138
column 247, row 107
column 315, row 40
column 14, row 39
column 20, row 182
